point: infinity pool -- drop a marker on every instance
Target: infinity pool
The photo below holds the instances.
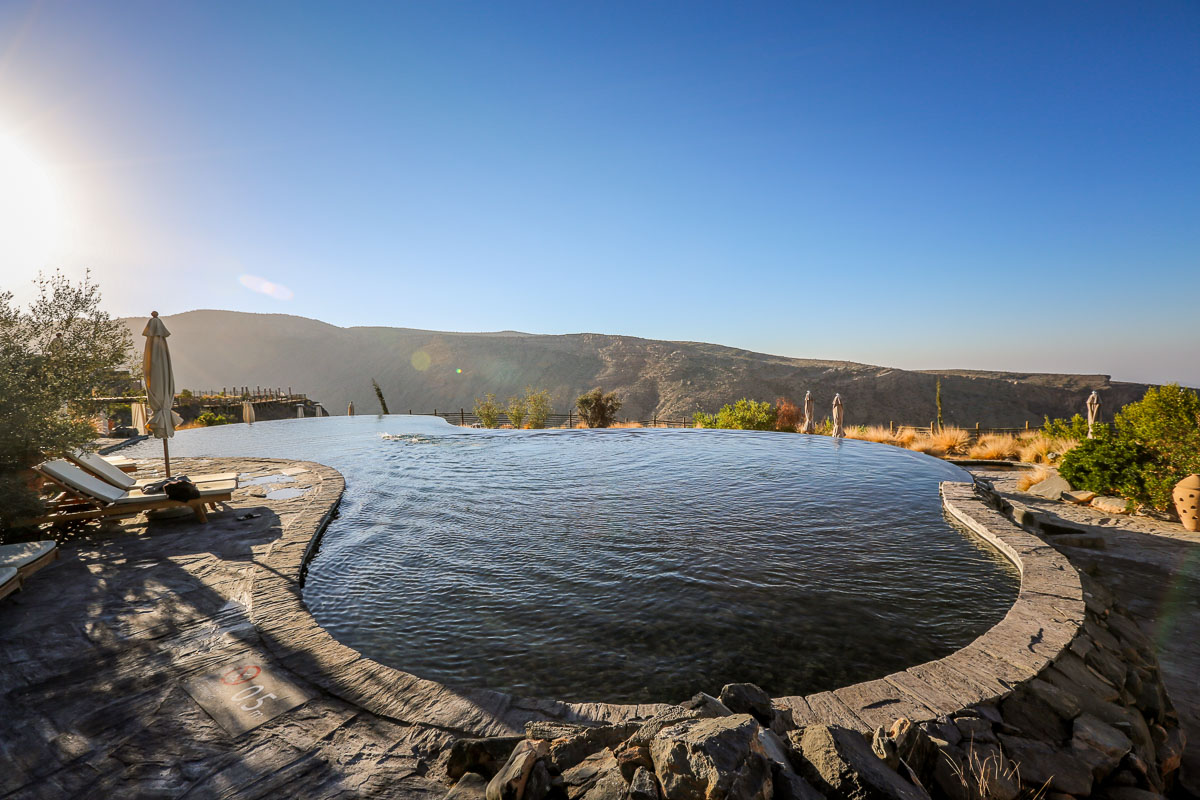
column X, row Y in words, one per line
column 631, row 565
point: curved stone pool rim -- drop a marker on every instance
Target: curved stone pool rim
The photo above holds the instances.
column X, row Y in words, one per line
column 1046, row 617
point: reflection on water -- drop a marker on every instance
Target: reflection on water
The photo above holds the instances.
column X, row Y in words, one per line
column 632, row 565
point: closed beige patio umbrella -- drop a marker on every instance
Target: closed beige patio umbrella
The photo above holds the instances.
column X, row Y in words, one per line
column 247, row 411
column 839, row 416
column 809, row 425
column 350, row 409
column 160, row 385
column 1093, row 409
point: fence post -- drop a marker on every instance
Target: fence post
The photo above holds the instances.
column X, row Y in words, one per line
column 1026, row 424
column 462, row 417
column 570, row 419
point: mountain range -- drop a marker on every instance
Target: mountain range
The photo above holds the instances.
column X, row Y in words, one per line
column 427, row 370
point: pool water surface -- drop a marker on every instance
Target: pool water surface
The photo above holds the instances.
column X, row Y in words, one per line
column 631, row 565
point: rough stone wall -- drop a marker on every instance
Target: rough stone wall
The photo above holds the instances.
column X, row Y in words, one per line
column 1088, row 717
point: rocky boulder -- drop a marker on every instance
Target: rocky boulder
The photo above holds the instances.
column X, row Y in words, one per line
column 711, row 759
column 509, row 783
column 482, row 756
column 746, row 698
column 840, row 764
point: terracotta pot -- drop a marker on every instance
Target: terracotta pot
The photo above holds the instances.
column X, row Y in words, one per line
column 1187, row 498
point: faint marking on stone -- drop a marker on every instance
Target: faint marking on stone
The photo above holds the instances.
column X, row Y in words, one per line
column 243, row 694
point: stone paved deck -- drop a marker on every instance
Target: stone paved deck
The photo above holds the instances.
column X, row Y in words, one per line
column 94, row 653
column 1153, row 567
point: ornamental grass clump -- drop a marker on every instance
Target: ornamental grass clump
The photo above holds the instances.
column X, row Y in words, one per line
column 951, row 439
column 994, row 447
column 870, row 433
column 1032, row 478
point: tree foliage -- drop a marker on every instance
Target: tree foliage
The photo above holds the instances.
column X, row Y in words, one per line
column 788, row 415
column 746, row 415
column 53, row 355
column 488, row 410
column 597, row 409
column 383, row 409
column 1152, row 445
column 537, row 407
column 517, row 408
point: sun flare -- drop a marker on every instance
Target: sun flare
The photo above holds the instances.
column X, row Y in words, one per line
column 31, row 209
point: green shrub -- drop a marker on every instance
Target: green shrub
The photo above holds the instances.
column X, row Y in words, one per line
column 1075, row 428
column 1166, row 422
column 597, row 409
column 744, row 415
column 1156, row 443
column 487, row 410
column 208, row 418
column 1107, row 465
column 517, row 410
column 537, row 407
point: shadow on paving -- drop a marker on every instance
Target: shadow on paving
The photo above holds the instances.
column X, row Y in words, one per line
column 1153, row 569
column 94, row 653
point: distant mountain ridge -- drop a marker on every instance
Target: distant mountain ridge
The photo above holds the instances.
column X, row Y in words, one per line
column 419, row 370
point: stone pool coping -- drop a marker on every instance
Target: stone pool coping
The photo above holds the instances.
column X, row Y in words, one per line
column 1046, row 616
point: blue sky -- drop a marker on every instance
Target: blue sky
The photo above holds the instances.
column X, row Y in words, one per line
column 975, row 185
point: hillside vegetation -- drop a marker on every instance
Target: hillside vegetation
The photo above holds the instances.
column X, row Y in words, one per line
column 418, row 370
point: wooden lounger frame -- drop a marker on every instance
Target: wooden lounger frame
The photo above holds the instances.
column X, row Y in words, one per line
column 71, row 505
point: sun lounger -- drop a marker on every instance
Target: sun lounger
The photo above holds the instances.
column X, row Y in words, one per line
column 109, row 474
column 27, row 557
column 10, row 581
column 85, row 496
column 122, row 463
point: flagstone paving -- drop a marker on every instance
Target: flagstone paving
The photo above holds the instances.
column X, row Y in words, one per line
column 97, row 649
column 1153, row 568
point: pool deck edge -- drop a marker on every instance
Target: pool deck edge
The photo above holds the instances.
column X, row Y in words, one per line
column 1045, row 618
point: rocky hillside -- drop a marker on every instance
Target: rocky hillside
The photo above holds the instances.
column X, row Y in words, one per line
column 424, row 370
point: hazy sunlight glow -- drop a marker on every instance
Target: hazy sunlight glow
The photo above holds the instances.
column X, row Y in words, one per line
column 31, row 209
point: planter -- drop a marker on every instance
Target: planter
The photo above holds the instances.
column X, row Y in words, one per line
column 1187, row 498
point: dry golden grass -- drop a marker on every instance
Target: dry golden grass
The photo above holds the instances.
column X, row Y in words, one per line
column 925, row 444
column 1032, row 478
column 903, row 437
column 950, row 440
column 871, row 433
column 627, row 425
column 1037, row 450
column 994, row 446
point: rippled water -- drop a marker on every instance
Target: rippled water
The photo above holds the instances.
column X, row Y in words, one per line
column 632, row 565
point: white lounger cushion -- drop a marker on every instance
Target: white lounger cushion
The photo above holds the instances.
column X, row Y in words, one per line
column 24, row 553
column 73, row 477
column 122, row 480
column 103, row 468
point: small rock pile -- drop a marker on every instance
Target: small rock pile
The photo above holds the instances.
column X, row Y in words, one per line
column 1097, row 723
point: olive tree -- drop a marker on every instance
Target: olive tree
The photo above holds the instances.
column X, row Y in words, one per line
column 597, row 409
column 53, row 354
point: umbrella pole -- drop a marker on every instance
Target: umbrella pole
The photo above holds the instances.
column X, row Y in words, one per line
column 166, row 458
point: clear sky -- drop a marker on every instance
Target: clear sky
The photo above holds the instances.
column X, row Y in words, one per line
column 924, row 185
